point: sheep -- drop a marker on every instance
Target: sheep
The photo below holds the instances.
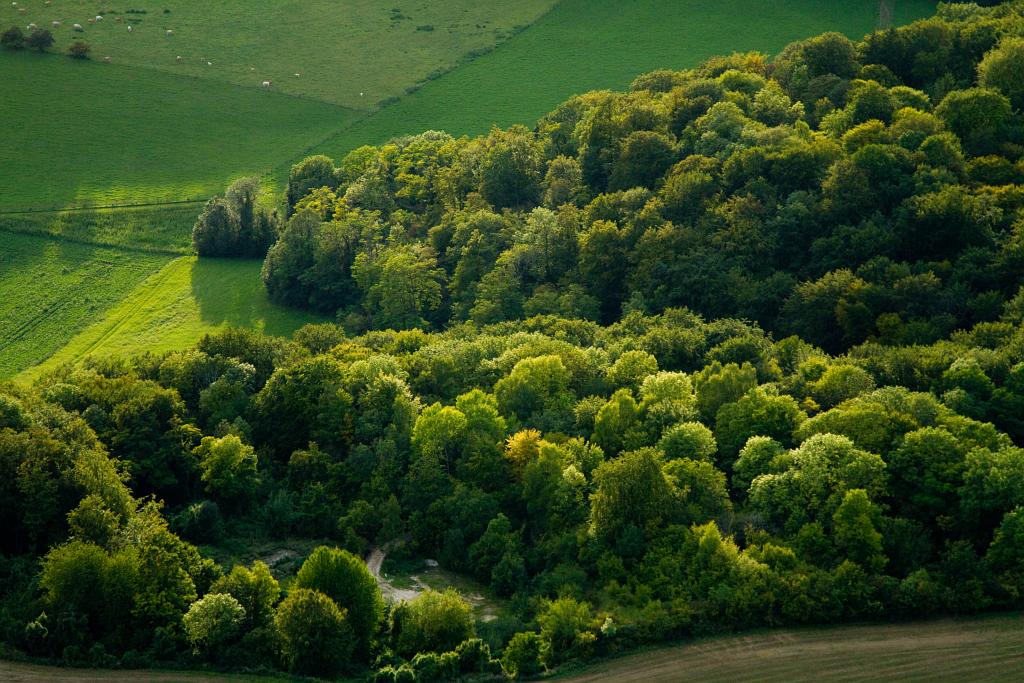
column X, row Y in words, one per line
column 297, row 75
column 107, row 59
column 31, row 27
column 90, row 21
column 99, row 17
column 78, row 27
column 267, row 84
column 55, row 24
column 209, row 63
column 179, row 59
column 168, row 32
column 130, row 29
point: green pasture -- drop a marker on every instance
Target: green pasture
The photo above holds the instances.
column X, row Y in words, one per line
column 80, row 133
column 53, row 289
column 354, row 53
column 176, row 306
column 586, row 45
column 162, row 229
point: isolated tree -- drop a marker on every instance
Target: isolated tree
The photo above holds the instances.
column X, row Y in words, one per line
column 13, row 38
column 40, row 39
column 79, row 50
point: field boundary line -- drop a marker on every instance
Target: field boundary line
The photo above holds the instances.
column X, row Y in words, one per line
column 94, row 243
column 411, row 90
column 100, row 207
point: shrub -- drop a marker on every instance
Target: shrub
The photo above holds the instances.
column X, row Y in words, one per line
column 40, row 40
column 13, row 38
column 524, row 655
column 316, row 638
column 79, row 50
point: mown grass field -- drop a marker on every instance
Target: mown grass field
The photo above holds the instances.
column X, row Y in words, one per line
column 981, row 650
column 161, row 229
column 340, row 49
column 585, row 45
column 175, row 306
column 74, row 133
column 51, row 289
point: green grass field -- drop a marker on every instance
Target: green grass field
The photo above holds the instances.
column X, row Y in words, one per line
column 74, row 134
column 340, row 49
column 53, row 289
column 161, row 229
column 174, row 307
column 586, row 45
column 981, row 650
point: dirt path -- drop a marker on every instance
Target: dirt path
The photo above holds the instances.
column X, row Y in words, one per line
column 374, row 561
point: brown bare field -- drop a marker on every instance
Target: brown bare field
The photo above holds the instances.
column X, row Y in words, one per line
column 979, row 650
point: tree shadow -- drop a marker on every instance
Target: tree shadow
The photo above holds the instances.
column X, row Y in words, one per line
column 229, row 291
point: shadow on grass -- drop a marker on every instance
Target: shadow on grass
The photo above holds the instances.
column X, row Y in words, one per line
column 229, row 291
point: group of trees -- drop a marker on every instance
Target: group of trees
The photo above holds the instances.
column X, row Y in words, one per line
column 657, row 478
column 842, row 192
column 562, row 368
column 39, row 39
column 236, row 224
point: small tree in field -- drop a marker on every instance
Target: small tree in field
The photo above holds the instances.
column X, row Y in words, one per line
column 13, row 38
column 40, row 40
column 79, row 50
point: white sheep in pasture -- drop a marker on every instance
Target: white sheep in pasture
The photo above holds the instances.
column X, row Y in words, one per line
column 297, row 75
column 107, row 59
column 267, row 84
column 78, row 27
column 55, row 23
column 179, row 59
column 169, row 32
column 31, row 27
column 130, row 29
column 209, row 63
column 99, row 17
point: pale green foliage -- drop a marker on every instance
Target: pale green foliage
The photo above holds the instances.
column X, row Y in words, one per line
column 213, row 620
column 228, row 467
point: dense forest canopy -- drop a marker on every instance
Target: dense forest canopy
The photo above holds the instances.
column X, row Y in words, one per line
column 743, row 346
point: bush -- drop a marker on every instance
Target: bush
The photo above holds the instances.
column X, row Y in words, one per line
column 40, row 40
column 316, row 637
column 433, row 622
column 524, row 655
column 13, row 38
column 79, row 50
column 213, row 621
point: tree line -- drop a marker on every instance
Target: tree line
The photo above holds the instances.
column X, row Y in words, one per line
column 741, row 347
column 842, row 192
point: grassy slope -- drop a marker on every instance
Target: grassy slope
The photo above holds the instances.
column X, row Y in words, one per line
column 339, row 48
column 160, row 229
column 593, row 44
column 74, row 133
column 176, row 306
column 53, row 289
column 979, row 650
